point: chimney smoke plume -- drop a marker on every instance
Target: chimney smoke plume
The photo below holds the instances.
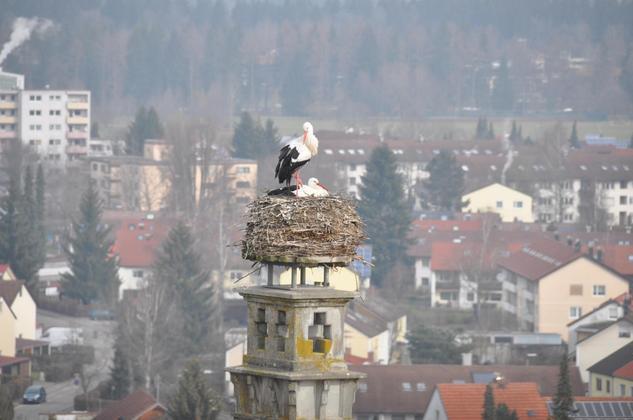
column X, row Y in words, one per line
column 23, row 28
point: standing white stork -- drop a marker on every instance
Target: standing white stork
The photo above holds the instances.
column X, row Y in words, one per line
column 296, row 153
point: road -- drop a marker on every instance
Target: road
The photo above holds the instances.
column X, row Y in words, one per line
column 98, row 334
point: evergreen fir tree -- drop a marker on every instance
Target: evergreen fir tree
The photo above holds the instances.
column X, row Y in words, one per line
column 513, row 132
column 251, row 140
column 482, row 128
column 146, row 125
column 40, row 213
column 93, row 271
column 179, row 265
column 446, row 182
column 385, row 212
column 520, row 134
column 490, row 135
column 503, row 412
column 194, row 398
column 573, row 138
column 19, row 242
column 489, row 412
column 563, row 400
column 119, row 373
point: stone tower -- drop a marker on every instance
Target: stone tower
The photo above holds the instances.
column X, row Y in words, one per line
column 294, row 367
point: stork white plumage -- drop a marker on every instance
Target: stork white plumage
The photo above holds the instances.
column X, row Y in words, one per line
column 296, row 153
column 312, row 189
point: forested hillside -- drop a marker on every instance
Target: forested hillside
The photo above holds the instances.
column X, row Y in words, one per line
column 356, row 58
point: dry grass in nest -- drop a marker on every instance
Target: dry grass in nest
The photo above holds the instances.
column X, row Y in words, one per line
column 302, row 227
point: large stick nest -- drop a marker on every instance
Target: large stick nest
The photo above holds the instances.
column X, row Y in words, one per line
column 283, row 227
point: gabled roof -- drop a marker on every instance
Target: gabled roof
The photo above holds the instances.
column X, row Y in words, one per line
column 618, row 300
column 448, row 256
column 616, row 360
column 384, row 391
column 137, row 241
column 130, row 407
column 496, row 185
column 9, row 290
column 537, row 259
column 466, row 401
column 10, row 361
column 365, row 321
column 625, row 372
column 600, row 326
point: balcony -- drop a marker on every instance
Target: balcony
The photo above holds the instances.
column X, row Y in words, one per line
column 8, row 119
column 77, row 120
column 77, row 135
column 76, row 150
column 77, row 105
column 8, row 134
column 8, row 105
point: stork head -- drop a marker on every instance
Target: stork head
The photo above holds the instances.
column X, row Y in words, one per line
column 314, row 183
column 307, row 128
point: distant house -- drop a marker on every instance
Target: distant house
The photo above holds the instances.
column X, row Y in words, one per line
column 398, row 391
column 603, row 340
column 589, row 408
column 374, row 331
column 547, row 284
column 608, row 311
column 10, row 365
column 510, row 204
column 466, row 401
column 136, row 242
column 612, row 376
column 234, row 351
column 139, row 405
column 17, row 296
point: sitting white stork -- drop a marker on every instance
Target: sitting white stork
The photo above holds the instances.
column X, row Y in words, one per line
column 296, row 153
column 312, row 189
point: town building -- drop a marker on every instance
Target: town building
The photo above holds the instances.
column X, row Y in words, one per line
column 511, row 205
column 136, row 244
column 612, row 376
column 53, row 123
column 466, row 401
column 138, row 405
column 600, row 340
column 547, row 284
column 399, row 391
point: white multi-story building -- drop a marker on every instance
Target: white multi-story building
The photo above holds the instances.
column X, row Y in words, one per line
column 53, row 123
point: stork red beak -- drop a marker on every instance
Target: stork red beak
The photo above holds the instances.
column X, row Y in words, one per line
column 305, row 136
column 322, row 186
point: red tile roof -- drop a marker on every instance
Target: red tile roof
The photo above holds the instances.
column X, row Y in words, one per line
column 539, row 258
column 130, row 407
column 625, row 372
column 136, row 241
column 10, row 361
column 9, row 289
column 384, row 391
column 3, row 268
column 466, row 401
column 448, row 256
column 431, row 225
column 350, row 359
column 619, row 258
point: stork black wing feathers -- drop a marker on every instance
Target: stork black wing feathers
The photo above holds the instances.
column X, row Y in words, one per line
column 286, row 167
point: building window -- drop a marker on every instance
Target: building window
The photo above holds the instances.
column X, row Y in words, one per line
column 137, row 274
column 575, row 312
column 425, row 281
column 243, row 170
column 622, row 390
column 518, row 204
column 420, row 387
column 599, row 289
column 622, row 333
column 406, row 386
column 362, row 386
column 607, row 382
column 499, row 204
column 575, row 289
column 623, row 185
column 613, row 313
column 598, row 384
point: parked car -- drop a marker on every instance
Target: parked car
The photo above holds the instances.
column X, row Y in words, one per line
column 101, row 314
column 35, row 394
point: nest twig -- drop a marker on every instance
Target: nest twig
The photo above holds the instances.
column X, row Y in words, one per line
column 302, row 227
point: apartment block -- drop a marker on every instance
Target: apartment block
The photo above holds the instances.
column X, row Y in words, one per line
column 54, row 123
